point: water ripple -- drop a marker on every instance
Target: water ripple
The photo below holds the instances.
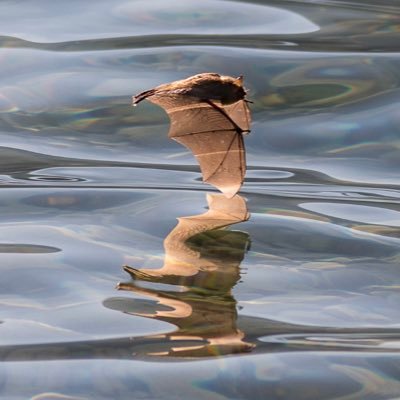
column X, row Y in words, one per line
column 255, row 41
column 334, row 26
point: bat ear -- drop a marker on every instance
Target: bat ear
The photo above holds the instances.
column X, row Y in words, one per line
column 239, row 80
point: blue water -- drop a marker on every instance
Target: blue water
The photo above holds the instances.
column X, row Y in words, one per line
column 300, row 301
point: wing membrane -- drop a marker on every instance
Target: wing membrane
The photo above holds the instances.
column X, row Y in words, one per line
column 213, row 132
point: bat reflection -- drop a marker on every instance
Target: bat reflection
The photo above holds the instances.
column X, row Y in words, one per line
column 203, row 259
column 193, row 292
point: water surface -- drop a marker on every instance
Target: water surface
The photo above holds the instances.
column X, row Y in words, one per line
column 298, row 302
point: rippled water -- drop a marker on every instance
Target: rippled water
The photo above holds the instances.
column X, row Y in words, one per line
column 301, row 301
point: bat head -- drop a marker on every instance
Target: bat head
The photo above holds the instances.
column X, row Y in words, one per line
column 239, row 80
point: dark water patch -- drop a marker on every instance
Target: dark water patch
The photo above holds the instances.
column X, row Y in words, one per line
column 26, row 248
column 361, row 43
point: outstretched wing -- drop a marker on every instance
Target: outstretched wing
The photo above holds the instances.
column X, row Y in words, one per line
column 213, row 132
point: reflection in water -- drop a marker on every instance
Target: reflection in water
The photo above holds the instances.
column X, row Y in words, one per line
column 204, row 259
column 193, row 291
column 187, row 253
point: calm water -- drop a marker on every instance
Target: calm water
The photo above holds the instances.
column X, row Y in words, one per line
column 301, row 301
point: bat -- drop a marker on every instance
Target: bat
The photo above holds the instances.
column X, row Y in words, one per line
column 209, row 115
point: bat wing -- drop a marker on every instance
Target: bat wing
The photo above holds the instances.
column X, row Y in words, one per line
column 214, row 133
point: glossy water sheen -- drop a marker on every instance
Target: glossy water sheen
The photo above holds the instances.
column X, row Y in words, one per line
column 302, row 301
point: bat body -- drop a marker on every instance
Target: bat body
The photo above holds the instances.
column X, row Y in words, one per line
column 207, row 86
column 209, row 115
